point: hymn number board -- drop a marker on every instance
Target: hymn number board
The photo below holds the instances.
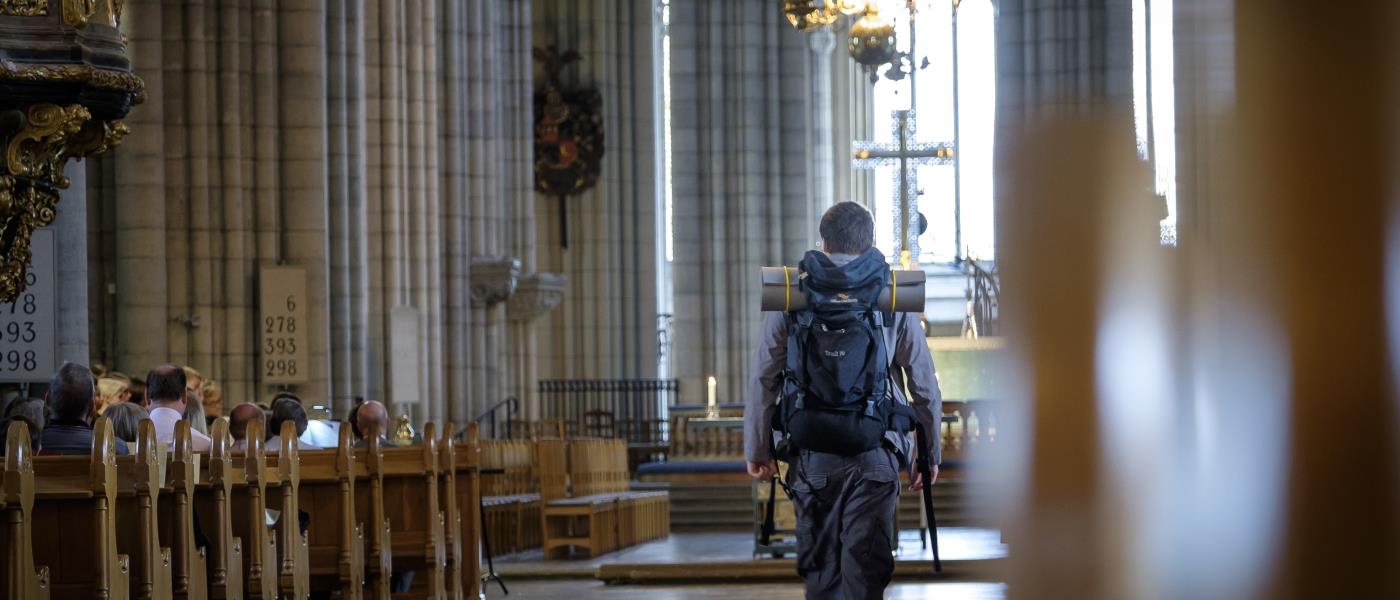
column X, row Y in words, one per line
column 28, row 344
column 282, row 325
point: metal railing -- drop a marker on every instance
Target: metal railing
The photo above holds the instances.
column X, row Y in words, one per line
column 633, row 409
column 983, row 300
column 487, row 422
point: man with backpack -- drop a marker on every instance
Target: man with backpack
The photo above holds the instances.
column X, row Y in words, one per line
column 827, row 380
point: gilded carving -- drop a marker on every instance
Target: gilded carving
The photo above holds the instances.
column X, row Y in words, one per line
column 35, row 157
column 24, row 8
column 40, row 150
column 93, row 76
column 77, row 12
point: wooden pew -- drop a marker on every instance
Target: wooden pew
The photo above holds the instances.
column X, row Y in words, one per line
column 189, row 564
column 369, row 509
column 452, row 515
column 510, row 498
column 588, row 503
column 140, row 477
column 413, row 507
column 19, row 578
column 249, row 517
column 335, row 540
column 75, row 501
column 214, row 501
column 463, row 493
column 284, row 480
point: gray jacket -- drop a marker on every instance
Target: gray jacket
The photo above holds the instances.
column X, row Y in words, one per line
column 909, row 357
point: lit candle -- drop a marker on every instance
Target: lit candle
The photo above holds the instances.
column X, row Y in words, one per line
column 712, row 403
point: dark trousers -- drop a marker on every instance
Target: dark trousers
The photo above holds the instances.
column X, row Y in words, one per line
column 845, row 523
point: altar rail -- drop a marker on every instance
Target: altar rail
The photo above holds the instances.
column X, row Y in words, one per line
column 632, row 409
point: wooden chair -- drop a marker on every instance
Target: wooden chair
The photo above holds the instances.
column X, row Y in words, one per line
column 335, row 540
column 369, row 509
column 249, row 517
column 140, row 477
column 75, row 508
column 188, row 564
column 284, row 473
column 412, row 506
column 214, row 501
column 19, row 578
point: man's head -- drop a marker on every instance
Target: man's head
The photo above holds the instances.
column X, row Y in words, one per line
column 372, row 416
column 241, row 416
column 165, row 387
column 286, row 409
column 72, row 394
column 847, row 228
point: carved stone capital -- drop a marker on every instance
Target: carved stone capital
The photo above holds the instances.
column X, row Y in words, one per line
column 493, row 279
column 535, row 295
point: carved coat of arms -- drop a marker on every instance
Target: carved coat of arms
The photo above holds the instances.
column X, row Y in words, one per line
column 568, row 134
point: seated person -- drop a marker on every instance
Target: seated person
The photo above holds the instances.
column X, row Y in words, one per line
column 370, row 416
column 285, row 408
column 238, row 420
column 165, row 392
column 194, row 413
column 33, row 409
column 126, row 417
column 72, row 408
column 34, row 431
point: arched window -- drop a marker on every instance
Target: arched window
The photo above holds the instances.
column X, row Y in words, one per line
column 955, row 199
column 1154, row 100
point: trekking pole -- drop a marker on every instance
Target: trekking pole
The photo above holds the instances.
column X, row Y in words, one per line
column 766, row 533
column 922, row 464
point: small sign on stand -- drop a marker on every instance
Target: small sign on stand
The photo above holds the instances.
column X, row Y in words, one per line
column 282, row 325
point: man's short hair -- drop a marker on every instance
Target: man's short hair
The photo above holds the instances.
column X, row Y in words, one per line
column 71, row 392
column 847, row 228
column 286, row 409
column 166, row 383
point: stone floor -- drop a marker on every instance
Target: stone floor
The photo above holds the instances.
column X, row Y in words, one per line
column 955, row 544
column 577, row 589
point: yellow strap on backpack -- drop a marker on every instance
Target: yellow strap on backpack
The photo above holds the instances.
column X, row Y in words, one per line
column 787, row 290
column 894, row 289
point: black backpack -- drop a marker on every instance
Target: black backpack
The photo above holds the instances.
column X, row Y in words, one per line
column 836, row 396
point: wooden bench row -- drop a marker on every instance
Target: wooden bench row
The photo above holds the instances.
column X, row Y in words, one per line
column 510, row 495
column 108, row 526
column 588, row 504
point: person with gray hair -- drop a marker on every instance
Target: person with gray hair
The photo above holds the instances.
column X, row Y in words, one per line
column 126, row 420
column 72, row 407
column 32, row 409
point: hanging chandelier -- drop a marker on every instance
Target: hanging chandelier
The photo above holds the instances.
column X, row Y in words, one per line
column 870, row 39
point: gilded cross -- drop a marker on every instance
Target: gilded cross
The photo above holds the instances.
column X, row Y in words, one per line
column 906, row 155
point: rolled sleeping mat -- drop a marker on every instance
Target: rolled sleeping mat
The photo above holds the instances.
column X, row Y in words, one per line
column 782, row 292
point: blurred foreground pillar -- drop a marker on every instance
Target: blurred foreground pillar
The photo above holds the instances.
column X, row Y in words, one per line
column 1317, row 104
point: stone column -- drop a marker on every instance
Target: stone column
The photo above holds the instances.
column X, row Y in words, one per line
column 535, row 296
column 69, row 226
column 494, row 279
column 821, row 185
column 302, row 118
column 142, row 280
